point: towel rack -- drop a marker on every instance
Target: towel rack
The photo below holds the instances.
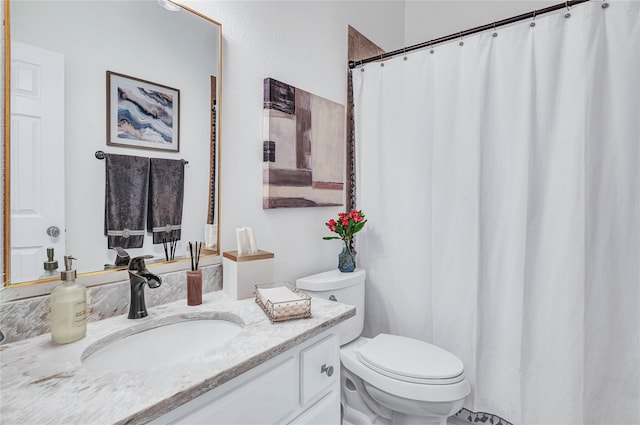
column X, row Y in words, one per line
column 102, row 155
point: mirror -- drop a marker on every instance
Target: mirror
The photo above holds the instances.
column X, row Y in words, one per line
column 63, row 51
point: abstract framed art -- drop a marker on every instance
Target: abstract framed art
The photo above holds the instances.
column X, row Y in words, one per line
column 303, row 148
column 142, row 114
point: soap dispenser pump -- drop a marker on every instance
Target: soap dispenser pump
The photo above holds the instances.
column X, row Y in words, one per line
column 50, row 266
column 68, row 307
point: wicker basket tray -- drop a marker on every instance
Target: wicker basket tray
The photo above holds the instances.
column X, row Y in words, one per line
column 283, row 302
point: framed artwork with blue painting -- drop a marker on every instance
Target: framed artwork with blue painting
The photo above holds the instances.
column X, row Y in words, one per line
column 142, row 114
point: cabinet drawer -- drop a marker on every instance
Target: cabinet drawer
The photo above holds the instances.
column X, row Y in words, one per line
column 319, row 368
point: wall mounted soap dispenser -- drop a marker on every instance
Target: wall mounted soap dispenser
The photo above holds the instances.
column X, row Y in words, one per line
column 68, row 307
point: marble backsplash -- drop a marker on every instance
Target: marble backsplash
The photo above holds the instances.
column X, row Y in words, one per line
column 29, row 317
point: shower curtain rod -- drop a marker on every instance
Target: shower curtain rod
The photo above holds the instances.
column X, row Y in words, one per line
column 530, row 15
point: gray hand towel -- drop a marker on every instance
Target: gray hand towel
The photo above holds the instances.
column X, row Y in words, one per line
column 127, row 185
column 166, row 194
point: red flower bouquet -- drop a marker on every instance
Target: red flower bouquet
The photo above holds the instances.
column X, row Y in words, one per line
column 347, row 225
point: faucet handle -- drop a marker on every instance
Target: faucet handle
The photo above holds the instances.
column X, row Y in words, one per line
column 122, row 257
column 137, row 263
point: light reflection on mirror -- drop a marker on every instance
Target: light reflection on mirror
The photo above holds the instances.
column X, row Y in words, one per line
column 85, row 39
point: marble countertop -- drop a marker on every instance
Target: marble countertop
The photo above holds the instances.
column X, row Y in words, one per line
column 44, row 383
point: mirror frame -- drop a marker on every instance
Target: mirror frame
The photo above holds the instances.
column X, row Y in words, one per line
column 6, row 272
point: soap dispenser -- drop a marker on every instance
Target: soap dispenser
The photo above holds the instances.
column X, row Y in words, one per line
column 50, row 266
column 68, row 307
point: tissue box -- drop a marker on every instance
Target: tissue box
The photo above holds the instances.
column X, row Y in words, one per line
column 282, row 302
column 241, row 273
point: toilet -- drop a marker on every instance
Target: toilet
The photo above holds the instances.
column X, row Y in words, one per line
column 388, row 379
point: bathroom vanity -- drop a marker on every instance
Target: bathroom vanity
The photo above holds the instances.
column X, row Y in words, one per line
column 266, row 373
column 300, row 386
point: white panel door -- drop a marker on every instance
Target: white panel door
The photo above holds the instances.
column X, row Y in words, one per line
column 37, row 159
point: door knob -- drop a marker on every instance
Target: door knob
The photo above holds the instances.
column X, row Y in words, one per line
column 53, row 231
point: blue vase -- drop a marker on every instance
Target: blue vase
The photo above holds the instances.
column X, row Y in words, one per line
column 346, row 260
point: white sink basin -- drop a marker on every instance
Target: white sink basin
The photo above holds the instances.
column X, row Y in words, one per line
column 160, row 346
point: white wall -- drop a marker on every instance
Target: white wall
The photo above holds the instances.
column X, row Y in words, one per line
column 302, row 43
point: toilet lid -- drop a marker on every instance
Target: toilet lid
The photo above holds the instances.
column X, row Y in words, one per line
column 411, row 360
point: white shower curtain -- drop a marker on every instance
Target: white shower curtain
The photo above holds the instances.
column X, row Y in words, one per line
column 501, row 181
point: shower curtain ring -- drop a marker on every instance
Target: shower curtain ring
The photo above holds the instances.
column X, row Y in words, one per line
column 431, row 45
column 404, row 51
column 495, row 33
column 605, row 4
column 461, row 43
column 567, row 13
column 533, row 22
column 381, row 58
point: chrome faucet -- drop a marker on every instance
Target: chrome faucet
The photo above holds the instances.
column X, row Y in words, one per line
column 138, row 277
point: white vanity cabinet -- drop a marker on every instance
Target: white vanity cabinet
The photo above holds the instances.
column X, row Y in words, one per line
column 299, row 386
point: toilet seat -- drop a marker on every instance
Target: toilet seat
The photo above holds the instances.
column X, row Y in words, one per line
column 411, row 360
column 441, row 392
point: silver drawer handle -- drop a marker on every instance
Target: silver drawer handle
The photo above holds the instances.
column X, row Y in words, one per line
column 326, row 369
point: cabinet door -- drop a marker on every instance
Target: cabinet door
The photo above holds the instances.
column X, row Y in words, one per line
column 324, row 412
column 320, row 368
column 268, row 398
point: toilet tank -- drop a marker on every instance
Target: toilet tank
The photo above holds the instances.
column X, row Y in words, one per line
column 347, row 288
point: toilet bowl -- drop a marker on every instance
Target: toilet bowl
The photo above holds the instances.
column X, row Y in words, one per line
column 417, row 382
column 388, row 379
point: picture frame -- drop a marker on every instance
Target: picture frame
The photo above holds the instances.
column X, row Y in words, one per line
column 142, row 114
